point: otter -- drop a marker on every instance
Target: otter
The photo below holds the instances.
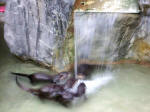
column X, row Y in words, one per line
column 55, row 92
column 42, row 77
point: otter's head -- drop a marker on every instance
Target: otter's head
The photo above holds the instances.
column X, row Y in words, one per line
column 62, row 77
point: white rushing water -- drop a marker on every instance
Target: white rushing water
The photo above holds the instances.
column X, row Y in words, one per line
column 95, row 83
column 94, row 39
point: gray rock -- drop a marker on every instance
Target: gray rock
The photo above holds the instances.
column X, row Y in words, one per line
column 36, row 29
column 140, row 43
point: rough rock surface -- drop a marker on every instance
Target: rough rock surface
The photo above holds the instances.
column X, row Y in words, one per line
column 36, row 30
column 140, row 43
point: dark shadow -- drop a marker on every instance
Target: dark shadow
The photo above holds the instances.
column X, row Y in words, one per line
column 3, row 47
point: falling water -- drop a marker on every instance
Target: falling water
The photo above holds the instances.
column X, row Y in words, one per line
column 94, row 39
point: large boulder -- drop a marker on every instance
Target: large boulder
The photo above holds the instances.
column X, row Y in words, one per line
column 36, row 30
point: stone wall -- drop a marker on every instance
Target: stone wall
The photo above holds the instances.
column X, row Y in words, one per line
column 37, row 29
column 140, row 44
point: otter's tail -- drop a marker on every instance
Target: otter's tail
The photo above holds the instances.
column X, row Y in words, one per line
column 33, row 91
column 20, row 74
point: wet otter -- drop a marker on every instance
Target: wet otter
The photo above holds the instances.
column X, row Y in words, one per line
column 42, row 77
column 55, row 92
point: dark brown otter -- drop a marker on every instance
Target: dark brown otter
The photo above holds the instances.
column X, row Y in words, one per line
column 36, row 77
column 55, row 92
column 42, row 77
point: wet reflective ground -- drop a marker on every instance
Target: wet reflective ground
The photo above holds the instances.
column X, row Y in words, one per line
column 129, row 91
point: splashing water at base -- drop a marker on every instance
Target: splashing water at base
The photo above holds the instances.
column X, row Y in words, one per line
column 97, row 81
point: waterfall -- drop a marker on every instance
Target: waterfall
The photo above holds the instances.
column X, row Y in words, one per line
column 98, row 34
column 94, row 38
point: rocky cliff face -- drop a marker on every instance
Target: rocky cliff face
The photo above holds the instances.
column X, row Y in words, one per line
column 140, row 43
column 36, row 30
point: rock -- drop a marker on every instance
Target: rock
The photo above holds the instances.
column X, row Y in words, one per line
column 141, row 50
column 140, row 43
column 37, row 30
column 126, row 28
